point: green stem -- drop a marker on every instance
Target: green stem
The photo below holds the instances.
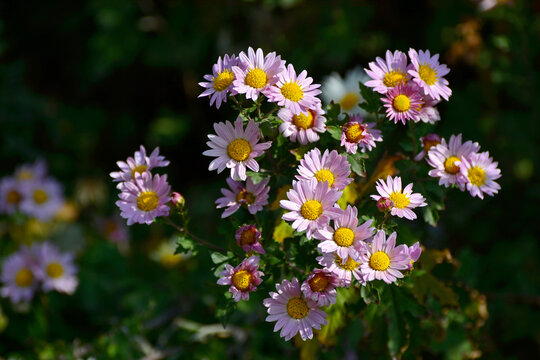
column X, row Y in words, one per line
column 185, row 231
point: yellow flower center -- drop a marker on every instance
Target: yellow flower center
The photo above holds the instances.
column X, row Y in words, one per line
column 239, row 149
column 242, row 279
column 256, row 78
column 170, row 260
column 138, row 169
column 311, row 210
column 400, row 200
column 325, row 175
column 477, row 176
column 147, row 201
column 427, row 74
column 394, row 78
column 402, row 103
column 349, row 101
column 379, row 261
column 428, row 144
column 245, row 197
column 13, row 197
column 292, row 91
column 303, row 121
column 450, row 165
column 40, row 196
column 354, row 133
column 54, row 270
column 25, row 175
column 223, row 80
column 319, row 282
column 247, row 237
column 349, row 265
column 24, row 278
column 297, row 308
column 344, row 236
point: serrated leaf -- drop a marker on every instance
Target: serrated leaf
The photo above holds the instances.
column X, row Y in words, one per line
column 398, row 334
column 332, row 112
column 256, row 177
column 219, row 258
column 357, row 165
column 372, row 99
column 184, row 244
column 335, row 131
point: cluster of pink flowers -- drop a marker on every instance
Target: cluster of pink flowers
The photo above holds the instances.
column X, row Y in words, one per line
column 42, row 266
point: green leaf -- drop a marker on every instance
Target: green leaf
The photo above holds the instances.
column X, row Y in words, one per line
column 336, row 316
column 225, row 308
column 332, row 113
column 184, row 244
column 357, row 162
column 219, row 258
column 373, row 102
column 398, row 335
column 370, row 294
column 335, row 132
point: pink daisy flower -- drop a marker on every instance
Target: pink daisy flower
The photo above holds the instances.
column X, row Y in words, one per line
column 402, row 103
column 320, row 286
column 446, row 159
column 235, row 148
column 346, row 235
column 18, row 278
column 293, row 312
column 428, row 142
column 428, row 74
column 42, row 199
column 254, row 196
column 358, row 134
column 297, row 93
column 242, row 279
column 255, row 73
column 247, row 237
column 330, row 167
column 138, row 164
column 402, row 201
column 56, row 270
column 382, row 260
column 303, row 126
column 311, row 204
column 219, row 84
column 414, row 252
column 11, row 195
column 344, row 269
column 144, row 199
column 478, row 172
column 388, row 73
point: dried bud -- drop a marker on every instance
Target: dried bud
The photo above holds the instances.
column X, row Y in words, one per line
column 384, row 204
column 178, row 200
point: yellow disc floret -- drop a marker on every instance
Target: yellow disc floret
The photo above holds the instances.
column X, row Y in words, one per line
column 303, row 121
column 354, row 133
column 319, row 282
column 477, row 176
column 13, row 197
column 54, row 270
column 239, row 149
column 245, row 197
column 297, row 308
column 138, row 169
column 428, row 144
column 400, row 200
column 349, row 101
column 292, row 91
column 223, row 80
column 242, row 280
column 147, row 201
column 24, row 278
column 325, row 175
column 349, row 265
column 344, row 236
column 25, row 175
column 450, row 165
column 394, row 78
column 427, row 74
column 402, row 103
column 40, row 196
column 311, row 209
column 379, row 261
column 256, row 78
column 248, row 236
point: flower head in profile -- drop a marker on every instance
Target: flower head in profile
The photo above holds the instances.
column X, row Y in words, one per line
column 428, row 112
column 235, row 148
column 42, row 199
column 144, row 199
column 254, row 196
column 414, row 252
column 18, row 279
column 359, row 134
column 320, row 286
column 247, row 237
column 303, row 127
column 55, row 270
column 382, row 260
column 428, row 74
column 330, row 167
column 344, row 269
column 295, row 92
column 428, row 141
column 11, row 195
column 219, row 84
column 31, row 172
column 402, row 103
column 311, row 205
column 345, row 92
column 255, row 73
column 242, row 279
column 293, row 312
column 403, row 201
column 389, row 72
column 479, row 173
column 139, row 163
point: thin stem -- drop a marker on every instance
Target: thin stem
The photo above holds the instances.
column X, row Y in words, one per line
column 259, row 107
column 198, row 239
column 270, row 113
column 386, row 216
column 413, row 139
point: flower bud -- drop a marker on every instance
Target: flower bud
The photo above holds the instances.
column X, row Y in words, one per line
column 178, row 200
column 429, row 141
column 384, row 204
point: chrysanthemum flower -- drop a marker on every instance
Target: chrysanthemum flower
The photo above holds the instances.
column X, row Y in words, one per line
column 446, row 160
column 402, row 201
column 311, row 205
column 346, row 235
column 10, row 195
column 31, row 172
column 248, row 237
column 139, row 163
column 242, row 279
column 255, row 73
column 330, row 167
column 254, row 196
column 382, row 260
column 345, row 92
column 428, row 112
column 389, row 72
column 296, row 93
column 344, row 269
column 320, row 286
column 18, row 278
column 428, row 142
column 402, row 103
column 293, row 312
column 414, row 252
column 42, row 199
column 219, row 84
column 144, row 199
column 428, row 74
column 479, row 172
column 357, row 133
column 54, row 269
column 303, row 126
column 235, row 148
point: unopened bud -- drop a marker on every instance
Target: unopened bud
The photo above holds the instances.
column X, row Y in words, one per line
column 384, row 204
column 429, row 141
column 178, row 200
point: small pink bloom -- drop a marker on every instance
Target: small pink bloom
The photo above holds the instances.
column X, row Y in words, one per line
column 359, row 134
column 219, row 84
column 320, row 286
column 247, row 237
column 254, row 196
column 242, row 279
column 428, row 74
column 403, row 201
column 330, row 167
